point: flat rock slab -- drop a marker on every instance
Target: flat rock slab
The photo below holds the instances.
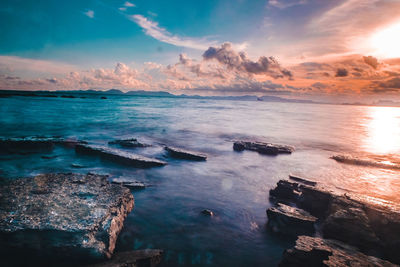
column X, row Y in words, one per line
column 185, row 154
column 289, row 220
column 129, row 183
column 313, row 252
column 262, row 148
column 135, row 258
column 366, row 162
column 66, row 216
column 128, row 143
column 119, row 156
column 34, row 143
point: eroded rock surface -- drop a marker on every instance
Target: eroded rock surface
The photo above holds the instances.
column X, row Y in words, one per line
column 184, row 154
column 290, row 220
column 314, row 251
column 62, row 216
column 128, row 143
column 119, row 156
column 262, row 148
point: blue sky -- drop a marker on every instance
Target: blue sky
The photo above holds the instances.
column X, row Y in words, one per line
column 161, row 44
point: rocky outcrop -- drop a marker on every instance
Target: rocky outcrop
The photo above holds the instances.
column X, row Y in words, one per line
column 207, row 212
column 370, row 225
column 184, row 154
column 128, row 143
column 313, row 252
column 129, row 183
column 366, row 162
column 119, row 156
column 34, row 143
column 289, row 220
column 262, row 148
column 62, row 217
column 136, row 258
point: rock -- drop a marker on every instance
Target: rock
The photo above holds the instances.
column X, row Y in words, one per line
column 314, row 251
column 302, row 180
column 289, row 220
column 262, row 148
column 129, row 143
column 68, row 96
column 119, row 156
column 135, row 258
column 62, row 217
column 103, row 97
column 49, row 157
column 184, row 154
column 128, row 183
column 207, row 212
column 77, row 166
column 366, row 162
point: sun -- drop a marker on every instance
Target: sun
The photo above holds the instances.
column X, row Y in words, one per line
column 386, row 42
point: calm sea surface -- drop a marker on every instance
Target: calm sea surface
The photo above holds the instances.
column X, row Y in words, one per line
column 233, row 185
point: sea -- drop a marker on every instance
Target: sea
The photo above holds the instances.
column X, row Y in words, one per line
column 233, row 185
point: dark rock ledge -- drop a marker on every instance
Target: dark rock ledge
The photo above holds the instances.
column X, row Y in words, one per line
column 129, row 143
column 184, row 154
column 371, row 225
column 262, row 148
column 62, row 217
column 119, row 156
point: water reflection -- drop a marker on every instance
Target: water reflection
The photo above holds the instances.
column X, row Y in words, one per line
column 383, row 130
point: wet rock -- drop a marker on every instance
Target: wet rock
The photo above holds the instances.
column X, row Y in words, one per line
column 77, row 166
column 262, row 148
column 135, row 258
column 314, row 251
column 128, row 143
column 103, row 97
column 49, row 157
column 207, row 212
column 119, row 156
column 62, row 217
column 366, row 162
column 302, row 180
column 68, row 96
column 184, row 154
column 128, row 183
column 289, row 220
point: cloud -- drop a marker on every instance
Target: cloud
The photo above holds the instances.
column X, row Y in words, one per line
column 37, row 66
column 151, row 28
column 122, row 8
column 391, row 85
column 129, row 4
column 372, row 61
column 282, row 4
column 341, row 72
column 89, row 13
column 239, row 61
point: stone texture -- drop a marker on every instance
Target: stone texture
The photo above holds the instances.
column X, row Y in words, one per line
column 119, row 156
column 62, row 216
column 184, row 154
column 262, row 148
column 128, row 143
column 34, row 143
column 131, row 184
column 313, row 252
column 289, row 220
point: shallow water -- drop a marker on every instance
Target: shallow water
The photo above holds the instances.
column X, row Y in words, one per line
column 233, row 184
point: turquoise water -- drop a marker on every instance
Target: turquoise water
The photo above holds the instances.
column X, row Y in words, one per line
column 233, row 185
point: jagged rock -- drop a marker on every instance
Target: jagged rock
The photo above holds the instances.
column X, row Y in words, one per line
column 371, row 225
column 262, row 148
column 314, row 251
column 184, row 154
column 128, row 183
column 289, row 220
column 135, row 258
column 129, row 143
column 62, row 217
column 119, row 156
column 207, row 212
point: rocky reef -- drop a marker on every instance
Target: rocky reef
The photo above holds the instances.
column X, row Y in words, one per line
column 262, row 148
column 62, row 217
column 184, row 154
column 370, row 225
column 128, row 143
column 119, row 156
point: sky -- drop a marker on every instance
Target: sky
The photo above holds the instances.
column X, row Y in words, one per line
column 309, row 49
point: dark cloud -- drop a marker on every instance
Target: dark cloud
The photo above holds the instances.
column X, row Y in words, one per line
column 239, row 61
column 52, row 80
column 391, row 85
column 341, row 72
column 372, row 61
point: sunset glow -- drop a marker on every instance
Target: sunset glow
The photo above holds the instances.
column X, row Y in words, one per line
column 386, row 42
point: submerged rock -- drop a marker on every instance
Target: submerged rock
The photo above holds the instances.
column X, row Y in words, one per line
column 129, row 143
column 62, row 216
column 207, row 212
column 184, row 154
column 369, row 225
column 262, row 148
column 314, row 251
column 366, row 162
column 289, row 220
column 34, row 143
column 128, row 183
column 135, row 258
column 119, row 156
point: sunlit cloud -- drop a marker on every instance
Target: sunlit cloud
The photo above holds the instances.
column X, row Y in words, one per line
column 89, row 13
column 129, row 4
column 282, row 4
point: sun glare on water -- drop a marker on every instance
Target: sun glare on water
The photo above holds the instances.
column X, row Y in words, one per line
column 386, row 42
